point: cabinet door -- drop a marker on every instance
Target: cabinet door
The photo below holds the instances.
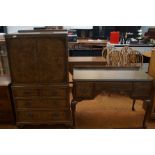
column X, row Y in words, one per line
column 22, row 56
column 52, row 59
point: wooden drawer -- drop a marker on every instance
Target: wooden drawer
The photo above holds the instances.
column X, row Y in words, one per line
column 141, row 89
column 113, row 86
column 25, row 91
column 55, row 91
column 41, row 103
column 43, row 91
column 42, row 116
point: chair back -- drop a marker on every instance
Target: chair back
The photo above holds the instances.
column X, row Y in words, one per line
column 107, row 50
column 126, row 57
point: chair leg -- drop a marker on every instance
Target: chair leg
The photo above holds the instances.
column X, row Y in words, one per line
column 133, row 105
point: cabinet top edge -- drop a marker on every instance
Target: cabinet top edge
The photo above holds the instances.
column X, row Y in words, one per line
column 36, row 34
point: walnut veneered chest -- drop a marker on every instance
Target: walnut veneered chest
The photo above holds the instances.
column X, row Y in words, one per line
column 39, row 72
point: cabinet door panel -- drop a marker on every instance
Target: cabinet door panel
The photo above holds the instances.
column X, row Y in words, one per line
column 52, row 46
column 52, row 60
column 22, row 55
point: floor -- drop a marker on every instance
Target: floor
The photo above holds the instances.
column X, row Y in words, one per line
column 110, row 112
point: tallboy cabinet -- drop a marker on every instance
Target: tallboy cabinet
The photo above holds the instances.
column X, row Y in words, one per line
column 39, row 73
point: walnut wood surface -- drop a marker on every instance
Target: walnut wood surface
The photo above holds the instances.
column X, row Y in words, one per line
column 39, row 56
column 22, row 59
column 86, row 59
column 109, row 75
column 86, row 62
column 39, row 73
column 90, row 42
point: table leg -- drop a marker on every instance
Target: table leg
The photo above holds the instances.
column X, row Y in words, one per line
column 148, row 104
column 133, row 105
column 73, row 108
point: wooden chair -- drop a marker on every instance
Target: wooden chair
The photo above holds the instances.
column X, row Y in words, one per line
column 126, row 57
column 104, row 52
column 107, row 50
column 151, row 71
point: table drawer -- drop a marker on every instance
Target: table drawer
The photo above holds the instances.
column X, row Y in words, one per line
column 141, row 89
column 42, row 116
column 83, row 90
column 113, row 86
column 41, row 103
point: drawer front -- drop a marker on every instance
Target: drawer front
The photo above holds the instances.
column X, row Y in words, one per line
column 46, row 91
column 113, row 86
column 41, row 103
column 25, row 91
column 83, row 90
column 42, row 116
column 142, row 89
column 55, row 91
